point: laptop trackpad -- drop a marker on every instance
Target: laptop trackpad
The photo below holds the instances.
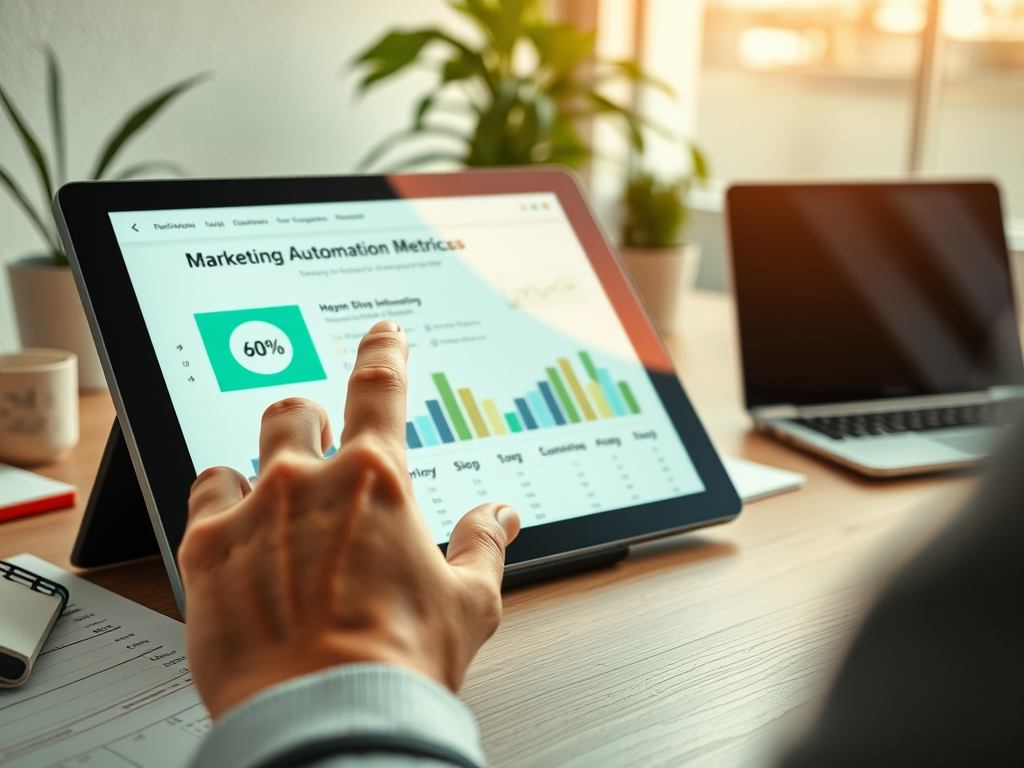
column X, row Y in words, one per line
column 977, row 442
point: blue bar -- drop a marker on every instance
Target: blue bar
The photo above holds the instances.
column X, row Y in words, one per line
column 330, row 452
column 426, row 430
column 539, row 410
column 524, row 411
column 549, row 398
column 256, row 466
column 442, row 425
column 611, row 392
column 411, row 437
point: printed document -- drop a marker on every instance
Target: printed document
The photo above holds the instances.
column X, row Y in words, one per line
column 111, row 688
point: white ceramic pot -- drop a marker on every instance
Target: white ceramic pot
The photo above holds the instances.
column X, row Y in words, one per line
column 663, row 276
column 50, row 314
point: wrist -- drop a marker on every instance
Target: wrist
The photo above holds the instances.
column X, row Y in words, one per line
column 237, row 680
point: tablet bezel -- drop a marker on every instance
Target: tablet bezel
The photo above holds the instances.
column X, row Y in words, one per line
column 151, row 429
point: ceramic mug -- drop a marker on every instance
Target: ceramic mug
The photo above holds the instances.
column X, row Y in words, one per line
column 38, row 405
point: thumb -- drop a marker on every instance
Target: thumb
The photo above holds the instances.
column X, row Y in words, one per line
column 477, row 544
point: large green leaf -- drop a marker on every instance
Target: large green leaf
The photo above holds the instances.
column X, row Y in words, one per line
column 393, row 53
column 511, row 16
column 134, row 122
column 488, row 145
column 464, row 65
column 481, row 14
column 30, row 143
column 33, row 216
column 502, row 23
column 561, row 48
column 57, row 116
column 530, row 140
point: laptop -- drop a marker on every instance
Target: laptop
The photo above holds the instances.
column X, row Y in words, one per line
column 876, row 321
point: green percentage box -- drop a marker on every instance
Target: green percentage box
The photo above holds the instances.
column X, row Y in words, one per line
column 264, row 347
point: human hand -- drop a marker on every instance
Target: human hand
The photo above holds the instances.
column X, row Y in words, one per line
column 328, row 562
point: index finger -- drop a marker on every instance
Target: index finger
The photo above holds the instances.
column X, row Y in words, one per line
column 377, row 387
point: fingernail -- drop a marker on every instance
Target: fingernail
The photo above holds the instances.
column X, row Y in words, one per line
column 508, row 519
column 386, row 326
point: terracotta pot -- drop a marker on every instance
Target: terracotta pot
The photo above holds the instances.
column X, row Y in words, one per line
column 663, row 276
column 50, row 314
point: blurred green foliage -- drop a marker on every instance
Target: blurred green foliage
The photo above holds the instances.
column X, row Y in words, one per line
column 520, row 94
column 655, row 212
column 52, row 172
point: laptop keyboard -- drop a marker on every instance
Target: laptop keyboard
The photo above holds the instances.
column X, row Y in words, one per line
column 892, row 422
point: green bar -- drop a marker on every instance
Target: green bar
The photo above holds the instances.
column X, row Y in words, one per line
column 577, row 389
column 474, row 413
column 627, row 393
column 563, row 396
column 589, row 365
column 448, row 397
column 513, row 422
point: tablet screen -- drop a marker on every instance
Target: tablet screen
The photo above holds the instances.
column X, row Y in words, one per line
column 523, row 384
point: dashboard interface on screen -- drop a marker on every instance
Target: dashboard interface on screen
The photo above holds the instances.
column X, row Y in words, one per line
column 523, row 384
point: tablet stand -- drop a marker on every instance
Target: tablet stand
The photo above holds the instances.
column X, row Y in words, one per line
column 116, row 525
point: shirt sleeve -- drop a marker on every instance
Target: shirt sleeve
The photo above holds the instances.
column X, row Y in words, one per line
column 357, row 715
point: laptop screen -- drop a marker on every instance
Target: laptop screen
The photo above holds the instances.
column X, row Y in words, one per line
column 851, row 292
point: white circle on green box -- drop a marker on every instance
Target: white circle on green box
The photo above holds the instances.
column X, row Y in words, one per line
column 261, row 347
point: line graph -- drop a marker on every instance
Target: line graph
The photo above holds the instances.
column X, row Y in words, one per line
column 542, row 289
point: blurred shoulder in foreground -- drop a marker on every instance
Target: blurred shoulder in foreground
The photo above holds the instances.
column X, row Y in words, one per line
column 936, row 673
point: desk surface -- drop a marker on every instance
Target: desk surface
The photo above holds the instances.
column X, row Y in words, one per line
column 707, row 649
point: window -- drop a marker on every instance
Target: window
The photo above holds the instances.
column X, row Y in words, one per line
column 828, row 88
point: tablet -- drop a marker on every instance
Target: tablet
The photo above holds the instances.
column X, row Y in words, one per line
column 535, row 377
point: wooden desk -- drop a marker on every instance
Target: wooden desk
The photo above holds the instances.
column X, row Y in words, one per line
column 704, row 649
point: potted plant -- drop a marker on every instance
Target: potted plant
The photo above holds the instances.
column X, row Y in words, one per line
column 46, row 302
column 661, row 264
column 517, row 97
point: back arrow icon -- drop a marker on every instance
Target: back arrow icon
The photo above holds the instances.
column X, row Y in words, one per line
column 135, row 228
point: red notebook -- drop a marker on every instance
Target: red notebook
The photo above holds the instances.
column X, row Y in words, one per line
column 25, row 493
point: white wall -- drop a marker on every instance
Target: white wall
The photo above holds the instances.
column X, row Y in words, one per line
column 979, row 134
column 280, row 102
column 778, row 126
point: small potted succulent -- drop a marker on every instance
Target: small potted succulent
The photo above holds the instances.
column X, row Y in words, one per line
column 661, row 264
column 46, row 302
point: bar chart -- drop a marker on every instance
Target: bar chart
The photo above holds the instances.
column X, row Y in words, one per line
column 562, row 396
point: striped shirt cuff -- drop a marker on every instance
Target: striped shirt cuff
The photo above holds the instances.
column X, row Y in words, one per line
column 355, row 699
